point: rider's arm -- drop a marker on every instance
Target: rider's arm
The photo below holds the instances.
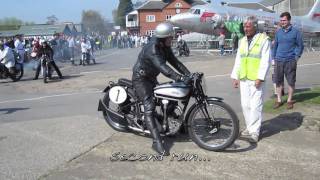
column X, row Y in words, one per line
column 160, row 64
column 177, row 64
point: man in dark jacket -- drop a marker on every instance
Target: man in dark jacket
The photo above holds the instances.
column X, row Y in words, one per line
column 45, row 49
column 151, row 61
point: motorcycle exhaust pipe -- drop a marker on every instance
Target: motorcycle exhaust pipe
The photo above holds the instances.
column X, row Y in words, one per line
column 139, row 130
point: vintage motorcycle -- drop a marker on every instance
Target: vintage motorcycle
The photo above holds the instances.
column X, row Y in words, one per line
column 211, row 123
column 16, row 75
column 85, row 58
column 182, row 48
column 46, row 67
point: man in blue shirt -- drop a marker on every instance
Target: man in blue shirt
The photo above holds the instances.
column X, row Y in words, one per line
column 288, row 48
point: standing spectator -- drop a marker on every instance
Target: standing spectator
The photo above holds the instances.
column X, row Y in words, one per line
column 133, row 42
column 110, row 41
column 221, row 40
column 92, row 45
column 250, row 71
column 71, row 45
column 136, row 40
column 179, row 37
column 19, row 47
column 288, row 48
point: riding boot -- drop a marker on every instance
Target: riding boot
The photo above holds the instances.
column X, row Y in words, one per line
column 157, row 142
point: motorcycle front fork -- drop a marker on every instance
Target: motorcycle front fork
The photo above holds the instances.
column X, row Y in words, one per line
column 214, row 124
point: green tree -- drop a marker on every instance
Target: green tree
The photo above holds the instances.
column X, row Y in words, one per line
column 11, row 21
column 125, row 6
column 115, row 15
column 93, row 22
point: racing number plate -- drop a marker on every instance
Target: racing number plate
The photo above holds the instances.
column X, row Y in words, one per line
column 117, row 94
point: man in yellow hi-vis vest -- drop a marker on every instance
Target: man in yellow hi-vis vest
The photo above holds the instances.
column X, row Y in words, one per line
column 250, row 71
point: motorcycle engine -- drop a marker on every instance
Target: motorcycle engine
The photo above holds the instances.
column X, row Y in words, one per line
column 175, row 119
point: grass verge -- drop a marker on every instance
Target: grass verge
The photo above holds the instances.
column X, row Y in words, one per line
column 308, row 97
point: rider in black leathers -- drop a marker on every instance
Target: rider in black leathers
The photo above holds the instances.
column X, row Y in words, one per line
column 46, row 49
column 151, row 61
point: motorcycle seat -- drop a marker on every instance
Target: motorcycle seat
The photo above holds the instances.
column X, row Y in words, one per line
column 125, row 82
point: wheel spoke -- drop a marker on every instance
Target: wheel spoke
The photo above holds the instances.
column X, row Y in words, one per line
column 204, row 129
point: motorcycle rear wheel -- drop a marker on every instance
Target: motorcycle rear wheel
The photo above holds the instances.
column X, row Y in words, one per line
column 45, row 70
column 203, row 133
column 126, row 108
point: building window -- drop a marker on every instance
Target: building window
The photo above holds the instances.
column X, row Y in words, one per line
column 178, row 5
column 150, row 32
column 151, row 18
column 168, row 17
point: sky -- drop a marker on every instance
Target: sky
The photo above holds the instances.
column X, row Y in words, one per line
column 65, row 10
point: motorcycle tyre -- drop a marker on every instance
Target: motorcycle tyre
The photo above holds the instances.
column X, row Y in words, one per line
column 114, row 125
column 232, row 138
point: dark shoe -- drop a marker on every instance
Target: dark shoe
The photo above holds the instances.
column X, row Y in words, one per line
column 157, row 141
column 290, row 104
column 61, row 77
column 277, row 104
column 158, row 147
column 35, row 78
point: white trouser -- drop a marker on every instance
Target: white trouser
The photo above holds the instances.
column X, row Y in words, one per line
column 252, row 104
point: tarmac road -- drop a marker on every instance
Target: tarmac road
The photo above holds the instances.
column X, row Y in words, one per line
column 53, row 130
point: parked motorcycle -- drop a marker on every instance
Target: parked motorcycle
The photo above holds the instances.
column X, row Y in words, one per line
column 211, row 123
column 85, row 58
column 182, row 48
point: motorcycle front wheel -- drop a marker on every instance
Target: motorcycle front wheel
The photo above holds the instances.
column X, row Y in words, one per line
column 217, row 132
column 45, row 73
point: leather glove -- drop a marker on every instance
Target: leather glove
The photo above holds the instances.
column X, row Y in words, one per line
column 186, row 79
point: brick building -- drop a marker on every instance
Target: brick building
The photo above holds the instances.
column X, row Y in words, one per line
column 146, row 17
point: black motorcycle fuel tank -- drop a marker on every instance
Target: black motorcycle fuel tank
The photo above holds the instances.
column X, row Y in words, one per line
column 172, row 90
